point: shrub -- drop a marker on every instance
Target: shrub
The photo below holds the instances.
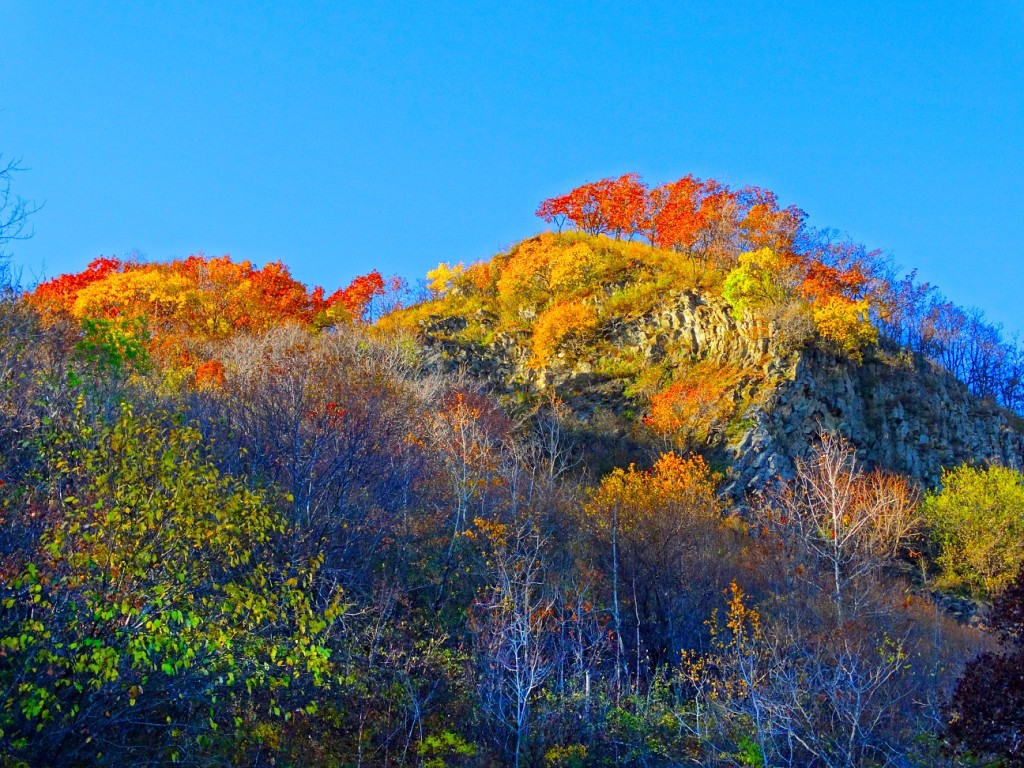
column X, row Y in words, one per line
column 977, row 522
column 557, row 324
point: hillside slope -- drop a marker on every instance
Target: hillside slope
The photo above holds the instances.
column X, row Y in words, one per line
column 752, row 390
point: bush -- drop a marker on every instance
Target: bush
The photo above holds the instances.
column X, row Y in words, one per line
column 977, row 523
column 558, row 324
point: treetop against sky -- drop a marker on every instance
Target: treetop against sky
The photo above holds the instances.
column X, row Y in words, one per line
column 342, row 139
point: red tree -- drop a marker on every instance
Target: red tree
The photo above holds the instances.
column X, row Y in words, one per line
column 356, row 298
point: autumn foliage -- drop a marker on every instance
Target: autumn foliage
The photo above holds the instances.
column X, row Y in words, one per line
column 704, row 218
column 186, row 303
column 200, row 295
column 558, row 324
column 770, row 255
column 245, row 522
column 640, row 494
column 697, row 404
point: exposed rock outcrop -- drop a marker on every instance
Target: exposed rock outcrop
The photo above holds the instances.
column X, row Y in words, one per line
column 902, row 412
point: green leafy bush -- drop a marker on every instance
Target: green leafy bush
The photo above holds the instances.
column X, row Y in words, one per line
column 977, row 523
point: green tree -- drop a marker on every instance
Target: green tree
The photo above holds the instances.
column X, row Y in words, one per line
column 977, row 528
column 762, row 279
column 154, row 621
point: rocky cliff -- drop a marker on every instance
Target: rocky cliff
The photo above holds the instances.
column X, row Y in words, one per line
column 902, row 412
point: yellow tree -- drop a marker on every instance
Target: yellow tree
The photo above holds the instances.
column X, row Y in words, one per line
column 659, row 534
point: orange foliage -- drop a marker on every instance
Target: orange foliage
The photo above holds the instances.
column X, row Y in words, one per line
column 702, row 217
column 525, row 274
column 200, row 295
column 557, row 324
column 697, row 404
column 822, row 281
column 200, row 299
column 677, row 213
column 210, row 375
column 360, row 292
column 196, row 296
column 768, row 226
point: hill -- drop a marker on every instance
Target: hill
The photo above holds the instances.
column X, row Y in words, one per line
column 640, row 343
column 244, row 521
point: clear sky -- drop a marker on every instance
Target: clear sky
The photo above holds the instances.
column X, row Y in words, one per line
column 342, row 136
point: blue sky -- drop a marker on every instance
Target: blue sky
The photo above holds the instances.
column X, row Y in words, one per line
column 341, row 137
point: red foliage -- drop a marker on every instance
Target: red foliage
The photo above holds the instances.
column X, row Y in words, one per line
column 201, row 299
column 609, row 206
column 61, row 291
column 708, row 220
column 623, row 205
column 247, row 298
column 284, row 296
column 677, row 215
column 356, row 298
column 688, row 214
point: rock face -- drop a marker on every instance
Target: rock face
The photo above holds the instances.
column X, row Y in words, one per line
column 902, row 412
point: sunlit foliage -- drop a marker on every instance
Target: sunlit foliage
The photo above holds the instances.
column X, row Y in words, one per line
column 185, row 303
column 697, row 404
column 153, row 595
column 241, row 523
column 558, row 323
column 977, row 525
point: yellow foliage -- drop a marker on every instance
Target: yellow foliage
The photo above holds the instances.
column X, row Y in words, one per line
column 554, row 326
column 442, row 278
column 525, row 273
column 674, row 483
column 573, row 268
column 846, row 323
column 763, row 278
column 134, row 293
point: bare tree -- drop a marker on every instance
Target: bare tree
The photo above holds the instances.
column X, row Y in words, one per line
column 14, row 210
column 517, row 629
column 846, row 522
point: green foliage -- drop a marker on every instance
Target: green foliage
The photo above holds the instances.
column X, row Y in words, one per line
column 445, row 749
column 977, row 524
column 759, row 281
column 115, row 347
column 749, row 753
column 637, row 298
column 152, row 596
